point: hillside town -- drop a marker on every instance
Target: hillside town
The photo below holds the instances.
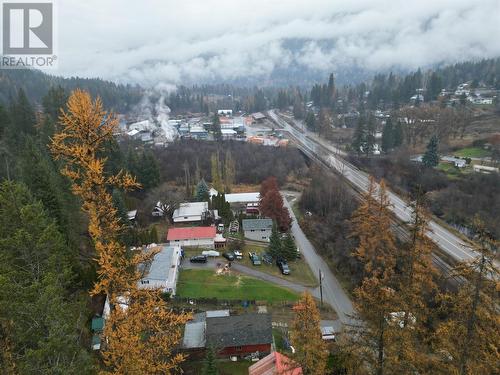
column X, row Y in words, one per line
column 236, row 188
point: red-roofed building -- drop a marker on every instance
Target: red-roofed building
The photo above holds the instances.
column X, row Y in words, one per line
column 275, row 364
column 192, row 236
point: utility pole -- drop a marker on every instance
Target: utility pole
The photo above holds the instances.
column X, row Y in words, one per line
column 321, row 287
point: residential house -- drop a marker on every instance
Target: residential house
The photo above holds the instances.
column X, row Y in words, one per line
column 163, row 270
column 240, row 335
column 236, row 335
column 457, row 162
column 257, row 229
column 192, row 236
column 275, row 364
column 190, row 212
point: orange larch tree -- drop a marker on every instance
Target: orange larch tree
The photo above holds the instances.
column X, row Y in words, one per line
column 375, row 298
column 468, row 342
column 141, row 330
column 305, row 335
column 415, row 288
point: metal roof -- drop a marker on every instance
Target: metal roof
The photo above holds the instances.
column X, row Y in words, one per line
column 194, row 335
column 191, row 209
column 217, row 313
column 249, row 224
column 239, row 330
column 163, row 261
column 242, row 197
column 97, row 323
column 190, row 233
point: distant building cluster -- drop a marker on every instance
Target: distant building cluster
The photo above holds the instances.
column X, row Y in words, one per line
column 253, row 128
column 473, row 95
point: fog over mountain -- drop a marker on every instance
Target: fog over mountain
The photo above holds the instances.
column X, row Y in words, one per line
column 261, row 41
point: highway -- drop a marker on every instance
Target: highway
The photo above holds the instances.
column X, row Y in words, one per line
column 447, row 241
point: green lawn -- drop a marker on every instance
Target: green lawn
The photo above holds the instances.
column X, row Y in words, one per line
column 472, row 152
column 451, row 171
column 300, row 272
column 206, row 284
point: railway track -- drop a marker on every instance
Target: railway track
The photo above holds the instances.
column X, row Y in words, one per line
column 399, row 226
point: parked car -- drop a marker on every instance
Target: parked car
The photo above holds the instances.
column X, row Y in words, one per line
column 199, row 259
column 254, row 258
column 283, row 266
column 210, row 253
column 229, row 256
column 267, row 258
column 220, row 228
column 238, row 254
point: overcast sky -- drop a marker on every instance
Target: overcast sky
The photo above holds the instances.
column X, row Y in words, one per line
column 154, row 42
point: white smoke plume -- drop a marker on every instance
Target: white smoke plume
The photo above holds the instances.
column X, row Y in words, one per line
column 154, row 109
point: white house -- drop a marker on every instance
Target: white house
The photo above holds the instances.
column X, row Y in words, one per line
column 190, row 212
column 257, row 229
column 457, row 162
column 192, row 236
column 212, row 192
column 163, row 270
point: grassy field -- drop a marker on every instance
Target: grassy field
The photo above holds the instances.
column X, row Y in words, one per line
column 451, row 171
column 472, row 152
column 206, row 284
column 300, row 272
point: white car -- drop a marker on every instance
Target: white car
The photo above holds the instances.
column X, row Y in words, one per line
column 238, row 254
column 210, row 253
